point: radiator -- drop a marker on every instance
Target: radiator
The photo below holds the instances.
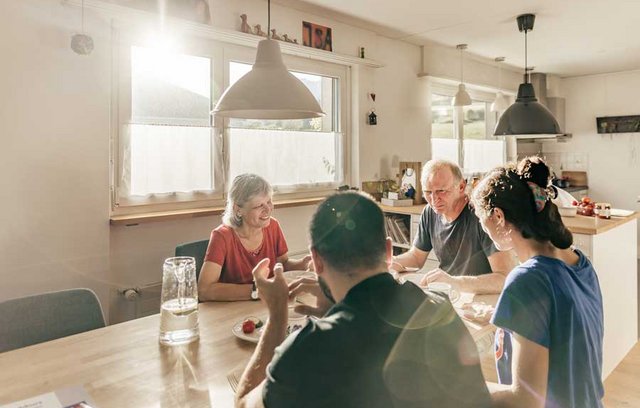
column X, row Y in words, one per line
column 132, row 303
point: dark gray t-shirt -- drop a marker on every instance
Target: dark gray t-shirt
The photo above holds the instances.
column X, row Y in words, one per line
column 462, row 247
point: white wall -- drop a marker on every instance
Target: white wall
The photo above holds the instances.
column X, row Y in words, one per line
column 54, row 134
column 444, row 62
column 613, row 160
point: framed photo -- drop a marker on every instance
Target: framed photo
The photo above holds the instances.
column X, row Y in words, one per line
column 316, row 36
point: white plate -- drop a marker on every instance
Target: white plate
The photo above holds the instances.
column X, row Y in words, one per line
column 290, row 276
column 617, row 212
column 412, row 277
column 255, row 336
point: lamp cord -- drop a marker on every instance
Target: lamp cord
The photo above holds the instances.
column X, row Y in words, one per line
column 82, row 20
column 526, row 67
column 268, row 18
column 461, row 66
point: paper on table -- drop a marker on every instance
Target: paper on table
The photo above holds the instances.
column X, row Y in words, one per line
column 48, row 400
column 70, row 397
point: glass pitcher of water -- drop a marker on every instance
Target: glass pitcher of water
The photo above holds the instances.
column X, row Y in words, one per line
column 179, row 301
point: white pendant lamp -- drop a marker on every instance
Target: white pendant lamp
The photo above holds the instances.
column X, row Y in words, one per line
column 269, row 90
column 501, row 103
column 462, row 97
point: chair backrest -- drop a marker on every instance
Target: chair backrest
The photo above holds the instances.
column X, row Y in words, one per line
column 196, row 249
column 39, row 318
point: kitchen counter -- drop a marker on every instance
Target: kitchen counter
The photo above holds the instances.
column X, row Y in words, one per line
column 409, row 210
column 581, row 224
column 577, row 225
column 572, row 189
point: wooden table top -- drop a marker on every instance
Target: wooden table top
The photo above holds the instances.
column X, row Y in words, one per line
column 123, row 365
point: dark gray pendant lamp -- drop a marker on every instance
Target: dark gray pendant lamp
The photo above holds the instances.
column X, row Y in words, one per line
column 527, row 116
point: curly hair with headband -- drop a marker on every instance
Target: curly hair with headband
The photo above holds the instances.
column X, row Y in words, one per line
column 523, row 193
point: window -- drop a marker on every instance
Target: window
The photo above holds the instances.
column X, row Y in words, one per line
column 291, row 154
column 168, row 153
column 476, row 150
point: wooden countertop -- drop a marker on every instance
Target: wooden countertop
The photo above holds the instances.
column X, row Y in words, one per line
column 413, row 209
column 581, row 224
column 577, row 225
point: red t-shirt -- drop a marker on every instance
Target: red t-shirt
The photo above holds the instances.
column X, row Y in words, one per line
column 226, row 250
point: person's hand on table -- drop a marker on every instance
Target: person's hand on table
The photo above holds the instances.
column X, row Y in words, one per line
column 437, row 275
column 479, row 312
column 308, row 261
column 312, row 287
column 396, row 266
column 274, row 292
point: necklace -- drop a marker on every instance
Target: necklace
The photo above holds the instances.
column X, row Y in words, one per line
column 256, row 251
column 252, row 252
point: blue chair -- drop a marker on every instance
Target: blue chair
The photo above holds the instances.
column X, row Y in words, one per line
column 48, row 316
column 196, row 249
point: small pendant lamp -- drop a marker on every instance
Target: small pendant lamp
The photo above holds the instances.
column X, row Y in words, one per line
column 462, row 97
column 269, row 90
column 526, row 116
column 501, row 103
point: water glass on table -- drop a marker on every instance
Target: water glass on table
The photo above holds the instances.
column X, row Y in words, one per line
column 179, row 301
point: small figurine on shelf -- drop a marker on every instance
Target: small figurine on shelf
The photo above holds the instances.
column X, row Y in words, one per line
column 285, row 38
column 244, row 26
column 258, row 31
column 275, row 36
column 295, row 40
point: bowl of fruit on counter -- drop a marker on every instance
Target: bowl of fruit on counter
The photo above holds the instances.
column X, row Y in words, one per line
column 585, row 207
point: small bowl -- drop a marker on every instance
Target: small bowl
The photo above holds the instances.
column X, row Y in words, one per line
column 568, row 211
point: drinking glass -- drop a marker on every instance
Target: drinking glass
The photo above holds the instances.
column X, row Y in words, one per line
column 453, row 294
column 179, row 301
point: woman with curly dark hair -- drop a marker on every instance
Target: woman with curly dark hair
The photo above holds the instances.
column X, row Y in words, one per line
column 549, row 315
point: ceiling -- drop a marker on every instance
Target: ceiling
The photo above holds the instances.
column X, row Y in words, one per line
column 570, row 37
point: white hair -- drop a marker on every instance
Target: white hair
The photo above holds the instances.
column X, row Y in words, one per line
column 243, row 188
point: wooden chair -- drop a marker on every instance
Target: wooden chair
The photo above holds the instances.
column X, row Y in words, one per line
column 48, row 316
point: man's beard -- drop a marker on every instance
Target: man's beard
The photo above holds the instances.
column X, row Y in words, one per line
column 325, row 289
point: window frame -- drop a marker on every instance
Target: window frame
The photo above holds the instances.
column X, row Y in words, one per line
column 246, row 55
column 486, row 97
column 220, row 53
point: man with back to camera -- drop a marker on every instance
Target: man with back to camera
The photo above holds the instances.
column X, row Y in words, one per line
column 469, row 260
column 382, row 344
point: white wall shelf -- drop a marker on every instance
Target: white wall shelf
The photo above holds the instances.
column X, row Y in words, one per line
column 132, row 15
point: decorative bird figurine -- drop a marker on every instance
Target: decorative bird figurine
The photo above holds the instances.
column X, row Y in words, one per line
column 245, row 27
column 258, row 31
column 275, row 36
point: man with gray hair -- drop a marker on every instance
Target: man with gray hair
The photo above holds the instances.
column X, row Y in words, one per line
column 469, row 260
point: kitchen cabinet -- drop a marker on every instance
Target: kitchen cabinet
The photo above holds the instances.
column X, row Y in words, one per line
column 611, row 245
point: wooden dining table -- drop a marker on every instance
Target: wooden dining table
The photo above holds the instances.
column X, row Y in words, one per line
column 123, row 365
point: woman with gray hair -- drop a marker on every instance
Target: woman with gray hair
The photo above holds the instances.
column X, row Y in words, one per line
column 247, row 235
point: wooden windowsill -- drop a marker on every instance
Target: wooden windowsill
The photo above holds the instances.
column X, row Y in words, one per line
column 135, row 219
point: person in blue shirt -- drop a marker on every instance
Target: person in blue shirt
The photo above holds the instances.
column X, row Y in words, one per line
column 549, row 315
